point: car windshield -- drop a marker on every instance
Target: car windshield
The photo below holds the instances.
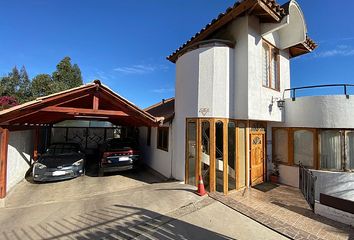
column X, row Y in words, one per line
column 120, row 144
column 63, row 148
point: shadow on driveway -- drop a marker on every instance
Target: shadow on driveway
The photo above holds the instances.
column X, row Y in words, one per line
column 114, row 222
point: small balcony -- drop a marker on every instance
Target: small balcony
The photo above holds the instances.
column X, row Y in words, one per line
column 321, row 106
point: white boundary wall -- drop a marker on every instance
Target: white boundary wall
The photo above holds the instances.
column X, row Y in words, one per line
column 19, row 156
column 157, row 159
column 334, row 214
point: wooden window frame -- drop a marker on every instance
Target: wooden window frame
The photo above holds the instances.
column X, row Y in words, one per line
column 158, row 146
column 272, row 51
column 291, row 153
column 290, row 158
column 212, row 176
column 342, row 150
column 191, row 120
column 315, row 146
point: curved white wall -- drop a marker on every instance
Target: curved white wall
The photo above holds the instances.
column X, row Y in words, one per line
column 295, row 31
column 203, row 78
column 334, row 111
column 202, row 83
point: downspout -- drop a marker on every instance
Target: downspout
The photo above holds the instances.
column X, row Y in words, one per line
column 171, row 144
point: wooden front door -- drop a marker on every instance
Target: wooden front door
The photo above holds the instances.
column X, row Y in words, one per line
column 257, row 157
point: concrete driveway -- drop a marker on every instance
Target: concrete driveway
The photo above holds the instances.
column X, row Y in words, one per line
column 129, row 206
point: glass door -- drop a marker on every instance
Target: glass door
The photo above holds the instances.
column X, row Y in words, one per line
column 219, row 155
column 205, row 154
column 231, row 161
column 191, row 153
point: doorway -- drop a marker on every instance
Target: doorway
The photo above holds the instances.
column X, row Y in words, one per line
column 216, row 151
column 257, row 146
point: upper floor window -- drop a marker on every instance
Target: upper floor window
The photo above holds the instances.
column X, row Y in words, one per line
column 270, row 66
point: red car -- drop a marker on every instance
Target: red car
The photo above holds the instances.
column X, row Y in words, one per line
column 119, row 154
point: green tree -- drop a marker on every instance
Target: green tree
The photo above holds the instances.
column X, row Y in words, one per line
column 10, row 83
column 24, row 89
column 66, row 75
column 41, row 85
column 77, row 79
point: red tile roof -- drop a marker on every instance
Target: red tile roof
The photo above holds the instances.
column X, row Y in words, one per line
column 164, row 109
column 270, row 7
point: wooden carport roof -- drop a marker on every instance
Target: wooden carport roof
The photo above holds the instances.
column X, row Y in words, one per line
column 92, row 101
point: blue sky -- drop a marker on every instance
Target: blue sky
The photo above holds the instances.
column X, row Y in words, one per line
column 125, row 43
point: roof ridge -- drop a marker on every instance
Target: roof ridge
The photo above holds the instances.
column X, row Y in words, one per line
column 159, row 103
column 246, row 4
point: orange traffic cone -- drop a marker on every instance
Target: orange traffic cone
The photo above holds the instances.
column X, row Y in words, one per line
column 201, row 191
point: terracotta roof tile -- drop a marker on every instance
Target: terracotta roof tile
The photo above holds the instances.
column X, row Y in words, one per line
column 246, row 4
column 164, row 109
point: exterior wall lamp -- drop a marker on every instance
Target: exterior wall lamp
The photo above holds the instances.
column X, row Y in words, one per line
column 281, row 104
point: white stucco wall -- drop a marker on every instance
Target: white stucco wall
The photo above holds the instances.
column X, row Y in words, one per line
column 186, row 105
column 19, row 156
column 239, row 83
column 336, row 184
column 226, row 82
column 157, row 159
column 262, row 103
column 334, row 214
column 289, row 175
column 203, row 79
column 213, row 80
column 333, row 111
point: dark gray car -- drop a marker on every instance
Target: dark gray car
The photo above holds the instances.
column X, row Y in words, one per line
column 61, row 161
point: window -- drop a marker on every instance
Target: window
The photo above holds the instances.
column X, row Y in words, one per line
column 271, row 66
column 162, row 138
column 330, row 150
column 191, row 152
column 350, row 150
column 205, row 154
column 231, row 155
column 219, row 156
column 303, row 148
column 148, row 137
column 324, row 149
column 280, row 141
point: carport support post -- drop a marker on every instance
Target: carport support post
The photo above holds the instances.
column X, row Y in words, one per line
column 4, row 140
column 35, row 144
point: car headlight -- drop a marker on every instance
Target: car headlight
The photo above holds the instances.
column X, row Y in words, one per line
column 78, row 163
column 39, row 165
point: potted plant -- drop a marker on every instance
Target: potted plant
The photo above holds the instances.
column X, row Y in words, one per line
column 274, row 176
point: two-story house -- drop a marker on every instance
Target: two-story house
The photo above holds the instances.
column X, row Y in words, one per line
column 234, row 114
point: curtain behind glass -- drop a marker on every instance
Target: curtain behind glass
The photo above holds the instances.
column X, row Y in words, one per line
column 303, row 148
column 330, row 154
column 265, row 63
column 350, row 150
column 281, row 145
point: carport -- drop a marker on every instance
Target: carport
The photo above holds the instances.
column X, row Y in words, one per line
column 90, row 102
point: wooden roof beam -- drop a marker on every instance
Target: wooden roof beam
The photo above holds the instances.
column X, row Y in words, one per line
column 80, row 111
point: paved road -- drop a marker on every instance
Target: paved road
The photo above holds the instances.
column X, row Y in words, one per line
column 140, row 210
